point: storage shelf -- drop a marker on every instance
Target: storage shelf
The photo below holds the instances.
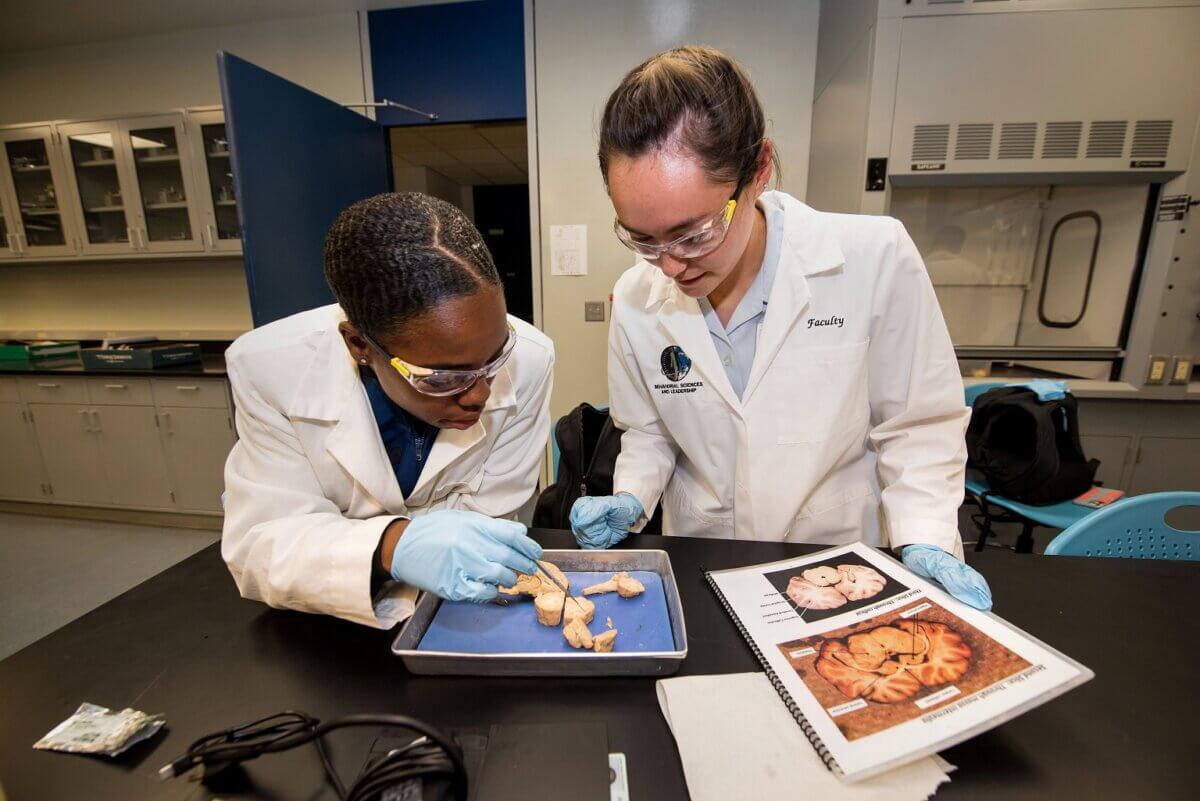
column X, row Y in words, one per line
column 181, row 204
column 218, row 155
column 104, row 209
column 31, row 168
column 99, row 163
column 225, row 202
column 40, row 212
column 157, row 160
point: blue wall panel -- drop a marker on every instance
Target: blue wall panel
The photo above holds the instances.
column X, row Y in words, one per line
column 298, row 160
column 463, row 61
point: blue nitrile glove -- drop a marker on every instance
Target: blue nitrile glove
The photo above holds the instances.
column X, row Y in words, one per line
column 957, row 578
column 601, row 521
column 463, row 556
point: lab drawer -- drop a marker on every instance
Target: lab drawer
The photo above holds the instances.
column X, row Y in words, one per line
column 8, row 391
column 119, row 391
column 53, row 389
column 209, row 393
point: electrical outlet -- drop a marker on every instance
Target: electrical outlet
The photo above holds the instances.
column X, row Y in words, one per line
column 1158, row 370
column 1183, row 370
column 593, row 311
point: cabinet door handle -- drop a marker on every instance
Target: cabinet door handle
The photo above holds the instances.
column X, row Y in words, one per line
column 48, row 386
column 212, row 235
column 96, row 419
column 114, row 386
column 166, row 416
column 131, row 237
column 142, row 238
column 23, row 243
column 12, row 243
column 187, row 387
column 84, row 415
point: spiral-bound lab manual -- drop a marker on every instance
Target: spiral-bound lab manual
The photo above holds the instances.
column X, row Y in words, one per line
column 880, row 667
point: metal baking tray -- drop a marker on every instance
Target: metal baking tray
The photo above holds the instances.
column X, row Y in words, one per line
column 577, row 663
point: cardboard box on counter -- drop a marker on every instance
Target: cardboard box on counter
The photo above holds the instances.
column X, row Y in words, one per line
column 13, row 350
column 143, row 356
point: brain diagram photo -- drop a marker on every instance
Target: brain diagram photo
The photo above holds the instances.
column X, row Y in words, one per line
column 897, row 666
column 841, row 584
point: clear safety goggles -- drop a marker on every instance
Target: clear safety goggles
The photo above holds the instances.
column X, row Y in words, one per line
column 440, row 383
column 698, row 242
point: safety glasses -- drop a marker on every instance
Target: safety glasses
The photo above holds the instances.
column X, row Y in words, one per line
column 698, row 242
column 440, row 383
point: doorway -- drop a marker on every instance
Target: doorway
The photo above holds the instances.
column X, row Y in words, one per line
column 482, row 168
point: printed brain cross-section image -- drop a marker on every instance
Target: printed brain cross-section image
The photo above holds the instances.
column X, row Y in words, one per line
column 892, row 668
column 841, row 584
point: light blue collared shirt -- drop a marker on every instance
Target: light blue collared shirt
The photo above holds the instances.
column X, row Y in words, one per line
column 737, row 342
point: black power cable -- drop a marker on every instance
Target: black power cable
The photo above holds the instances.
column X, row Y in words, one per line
column 431, row 756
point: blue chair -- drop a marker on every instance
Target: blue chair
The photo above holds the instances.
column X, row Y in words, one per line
column 1132, row 528
column 994, row 508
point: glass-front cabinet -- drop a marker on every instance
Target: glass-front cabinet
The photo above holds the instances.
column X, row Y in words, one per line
column 133, row 184
column 33, row 220
column 221, row 231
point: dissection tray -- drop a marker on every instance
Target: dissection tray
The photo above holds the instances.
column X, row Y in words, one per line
column 458, row 638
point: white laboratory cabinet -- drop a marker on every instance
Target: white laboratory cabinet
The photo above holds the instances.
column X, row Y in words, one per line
column 129, row 187
column 155, row 444
column 34, row 222
column 132, row 184
column 214, row 175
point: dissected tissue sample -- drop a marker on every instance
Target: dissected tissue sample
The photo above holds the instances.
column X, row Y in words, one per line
column 577, row 634
column 621, row 583
column 602, row 643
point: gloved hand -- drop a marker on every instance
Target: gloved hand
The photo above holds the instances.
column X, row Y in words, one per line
column 463, row 556
column 957, row 578
column 601, row 521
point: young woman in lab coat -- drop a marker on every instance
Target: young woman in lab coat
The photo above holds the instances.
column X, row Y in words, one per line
column 779, row 373
column 386, row 436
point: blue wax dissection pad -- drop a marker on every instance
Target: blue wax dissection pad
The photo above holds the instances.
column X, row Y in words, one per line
column 642, row 623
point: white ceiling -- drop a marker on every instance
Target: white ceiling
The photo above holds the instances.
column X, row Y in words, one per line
column 38, row 24
column 469, row 155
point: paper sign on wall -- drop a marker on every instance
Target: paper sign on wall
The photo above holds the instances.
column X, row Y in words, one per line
column 568, row 250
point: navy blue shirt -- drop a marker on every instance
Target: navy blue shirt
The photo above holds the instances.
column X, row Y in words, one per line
column 406, row 439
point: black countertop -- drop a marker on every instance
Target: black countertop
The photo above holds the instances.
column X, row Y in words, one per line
column 184, row 644
column 212, row 365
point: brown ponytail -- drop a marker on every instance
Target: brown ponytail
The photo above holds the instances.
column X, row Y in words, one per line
column 696, row 96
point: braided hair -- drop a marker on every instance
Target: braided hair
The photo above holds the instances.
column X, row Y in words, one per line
column 391, row 257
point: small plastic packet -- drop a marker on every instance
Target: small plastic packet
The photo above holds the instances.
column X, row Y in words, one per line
column 96, row 730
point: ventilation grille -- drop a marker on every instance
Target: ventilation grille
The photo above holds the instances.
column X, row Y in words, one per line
column 1062, row 140
column 1017, row 140
column 930, row 142
column 974, row 141
column 1151, row 139
column 1106, row 140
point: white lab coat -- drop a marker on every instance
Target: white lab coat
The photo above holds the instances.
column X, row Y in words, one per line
column 853, row 420
column 309, row 488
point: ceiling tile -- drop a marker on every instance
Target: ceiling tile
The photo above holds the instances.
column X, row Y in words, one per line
column 517, row 154
column 455, row 137
column 505, row 133
column 428, row 158
column 408, row 139
column 460, row 174
column 482, row 156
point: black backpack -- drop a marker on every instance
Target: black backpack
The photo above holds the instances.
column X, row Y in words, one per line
column 588, row 444
column 1029, row 449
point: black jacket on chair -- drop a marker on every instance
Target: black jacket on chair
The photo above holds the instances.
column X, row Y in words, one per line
column 588, row 444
